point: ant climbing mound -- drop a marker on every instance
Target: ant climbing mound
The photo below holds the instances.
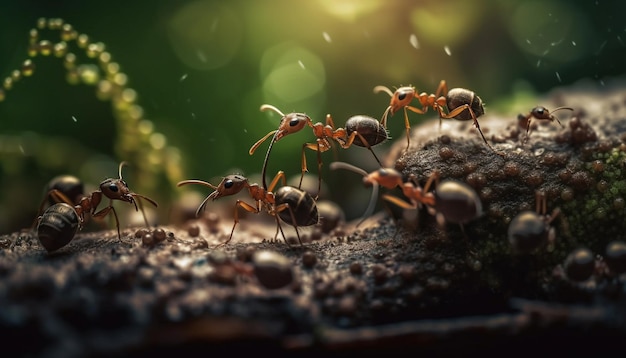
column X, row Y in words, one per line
column 290, row 204
column 390, row 178
column 462, row 104
column 451, row 201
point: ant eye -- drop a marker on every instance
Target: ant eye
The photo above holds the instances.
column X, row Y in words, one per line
column 113, row 188
column 228, row 184
column 402, row 96
column 383, row 172
column 294, row 122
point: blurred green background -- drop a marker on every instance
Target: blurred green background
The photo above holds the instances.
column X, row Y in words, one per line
column 202, row 68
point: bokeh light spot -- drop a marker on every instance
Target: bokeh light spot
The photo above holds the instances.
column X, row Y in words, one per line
column 291, row 73
column 205, row 35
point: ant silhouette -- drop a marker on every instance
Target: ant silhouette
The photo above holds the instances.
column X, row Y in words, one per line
column 462, row 104
column 292, row 205
column 360, row 130
column 530, row 229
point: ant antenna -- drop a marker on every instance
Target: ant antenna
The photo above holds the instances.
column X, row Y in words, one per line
column 372, row 203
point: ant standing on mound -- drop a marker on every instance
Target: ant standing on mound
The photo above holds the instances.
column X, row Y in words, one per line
column 292, row 205
column 462, row 104
column 52, row 229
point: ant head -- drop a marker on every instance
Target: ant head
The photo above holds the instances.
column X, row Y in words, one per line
column 291, row 123
column 401, row 98
column 540, row 112
column 230, row 185
column 116, row 189
column 386, row 177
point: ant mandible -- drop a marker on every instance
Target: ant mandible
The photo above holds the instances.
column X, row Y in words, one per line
column 462, row 104
column 540, row 113
column 292, row 205
column 360, row 128
column 113, row 189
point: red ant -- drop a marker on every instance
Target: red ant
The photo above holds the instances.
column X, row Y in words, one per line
column 390, row 178
column 451, row 201
column 462, row 104
column 540, row 113
column 360, row 130
column 292, row 205
column 113, row 189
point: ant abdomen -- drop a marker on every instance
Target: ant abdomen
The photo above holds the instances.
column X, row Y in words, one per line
column 527, row 231
column 457, row 202
column 301, row 203
column 57, row 226
column 367, row 128
column 458, row 97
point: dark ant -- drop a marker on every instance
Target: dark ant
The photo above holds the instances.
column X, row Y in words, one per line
column 113, row 189
column 57, row 226
column 360, row 130
column 540, row 113
column 531, row 229
column 451, row 201
column 292, row 205
column 462, row 104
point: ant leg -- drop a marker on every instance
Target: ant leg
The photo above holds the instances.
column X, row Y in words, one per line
column 247, row 207
column 304, row 166
column 350, row 140
column 319, row 173
column 294, row 223
column 104, row 212
column 316, row 147
column 442, row 89
column 400, row 203
column 279, row 175
column 464, row 107
column 407, row 125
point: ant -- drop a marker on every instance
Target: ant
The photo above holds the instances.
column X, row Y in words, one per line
column 451, row 201
column 540, row 113
column 462, row 104
column 530, row 229
column 390, row 178
column 113, row 189
column 360, row 130
column 291, row 204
